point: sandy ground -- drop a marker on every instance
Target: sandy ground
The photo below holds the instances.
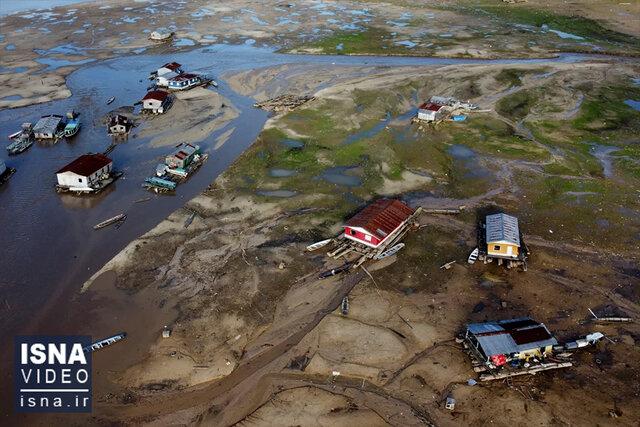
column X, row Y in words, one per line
column 193, row 116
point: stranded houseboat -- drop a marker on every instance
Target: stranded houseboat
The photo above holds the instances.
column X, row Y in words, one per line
column 21, row 140
column 89, row 173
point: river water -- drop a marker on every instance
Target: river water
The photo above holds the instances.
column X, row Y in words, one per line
column 49, row 244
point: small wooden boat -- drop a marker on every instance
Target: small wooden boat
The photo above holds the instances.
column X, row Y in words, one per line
column 344, row 307
column 110, row 100
column 72, row 128
column 105, row 342
column 318, row 245
column 389, row 252
column 159, row 184
column 473, row 257
column 110, row 221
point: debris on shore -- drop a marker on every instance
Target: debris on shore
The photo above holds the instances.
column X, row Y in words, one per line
column 513, row 347
column 283, row 103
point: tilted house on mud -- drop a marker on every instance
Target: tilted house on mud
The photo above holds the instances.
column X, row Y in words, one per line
column 84, row 172
column 498, row 343
column 373, row 225
column 430, row 112
column 156, row 101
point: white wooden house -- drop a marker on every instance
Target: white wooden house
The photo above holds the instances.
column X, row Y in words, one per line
column 156, row 101
column 430, row 112
column 162, row 80
column 84, row 173
column 184, row 81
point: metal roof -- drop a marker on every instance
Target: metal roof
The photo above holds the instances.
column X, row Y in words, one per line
column 47, row 124
column 430, row 106
column 185, row 150
column 173, row 66
column 511, row 336
column 502, row 228
column 381, row 217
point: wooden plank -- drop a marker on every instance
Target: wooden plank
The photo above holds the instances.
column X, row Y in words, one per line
column 528, row 371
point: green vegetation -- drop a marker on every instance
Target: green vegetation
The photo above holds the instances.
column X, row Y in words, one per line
column 372, row 40
column 513, row 76
column 517, row 105
column 605, row 110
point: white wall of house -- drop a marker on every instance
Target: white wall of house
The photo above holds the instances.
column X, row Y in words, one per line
column 118, row 129
column 153, row 105
column 72, row 179
column 427, row 115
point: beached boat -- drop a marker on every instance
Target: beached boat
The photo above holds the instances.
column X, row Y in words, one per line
column 22, row 139
column 118, row 218
column 473, row 257
column 110, row 100
column 105, row 342
column 389, row 252
column 318, row 245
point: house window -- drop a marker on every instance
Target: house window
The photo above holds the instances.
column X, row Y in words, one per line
column 496, row 247
column 79, row 179
column 353, row 232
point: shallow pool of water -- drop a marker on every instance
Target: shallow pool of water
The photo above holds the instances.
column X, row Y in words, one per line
column 281, row 173
column 340, row 175
column 633, row 104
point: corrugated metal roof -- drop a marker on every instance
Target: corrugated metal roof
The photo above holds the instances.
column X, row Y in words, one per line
column 502, row 228
column 430, row 106
column 511, row 336
column 173, row 66
column 184, row 150
column 47, row 124
column 381, row 217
